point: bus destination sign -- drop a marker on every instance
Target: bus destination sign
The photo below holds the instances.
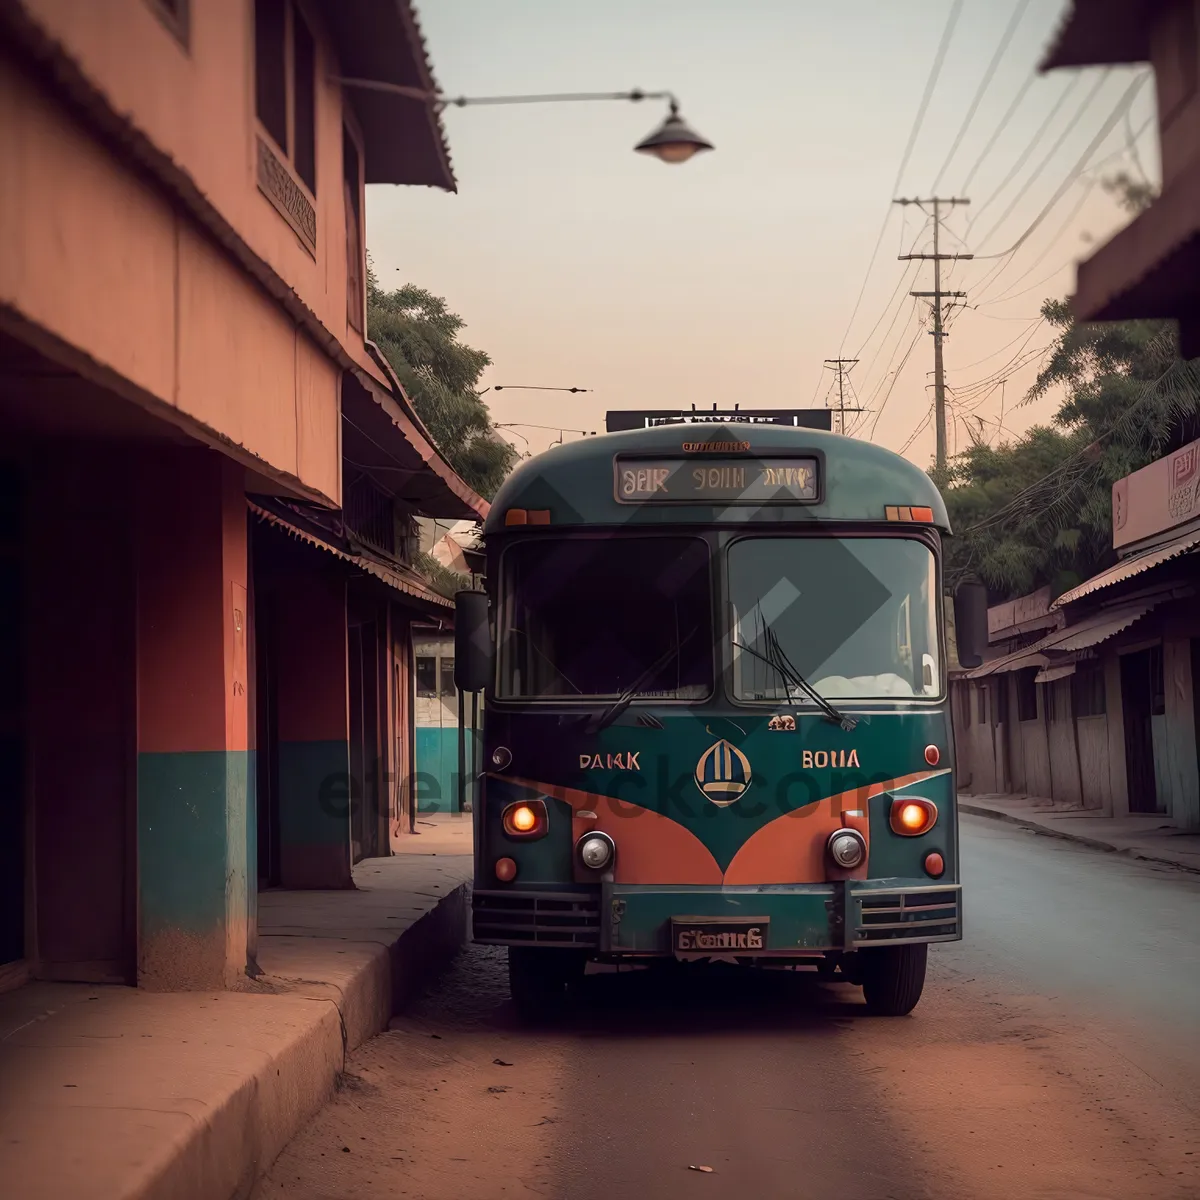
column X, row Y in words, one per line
column 788, row 480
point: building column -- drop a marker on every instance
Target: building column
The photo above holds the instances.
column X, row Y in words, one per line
column 195, row 777
column 1183, row 802
column 313, row 714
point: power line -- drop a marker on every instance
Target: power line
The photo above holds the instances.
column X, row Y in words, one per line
column 1122, row 104
column 1004, row 120
column 1007, row 36
column 930, row 84
column 1062, row 137
column 895, row 376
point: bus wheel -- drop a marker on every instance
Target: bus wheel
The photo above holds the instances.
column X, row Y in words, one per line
column 537, row 981
column 893, row 978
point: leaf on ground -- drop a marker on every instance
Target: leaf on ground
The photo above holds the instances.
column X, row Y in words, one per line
column 499, row 1062
column 706, row 1170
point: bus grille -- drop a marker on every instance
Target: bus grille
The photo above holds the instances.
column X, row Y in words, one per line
column 537, row 918
column 925, row 916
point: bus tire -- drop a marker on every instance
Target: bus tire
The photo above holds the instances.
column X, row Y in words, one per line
column 537, row 981
column 893, row 978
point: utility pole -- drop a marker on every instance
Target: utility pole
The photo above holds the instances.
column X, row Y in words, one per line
column 842, row 366
column 938, row 331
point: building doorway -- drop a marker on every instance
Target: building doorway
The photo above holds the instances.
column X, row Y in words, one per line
column 1138, row 699
column 12, row 738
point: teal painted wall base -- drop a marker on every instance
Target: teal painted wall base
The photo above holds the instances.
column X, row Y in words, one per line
column 194, row 842
column 437, row 768
column 314, row 814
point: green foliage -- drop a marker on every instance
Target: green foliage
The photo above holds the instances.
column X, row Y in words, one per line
column 1038, row 510
column 418, row 335
column 443, row 580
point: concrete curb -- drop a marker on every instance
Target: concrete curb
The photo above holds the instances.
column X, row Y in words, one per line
column 235, row 1143
column 1079, row 839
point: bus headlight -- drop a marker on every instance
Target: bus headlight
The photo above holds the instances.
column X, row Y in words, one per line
column 847, row 848
column 527, row 819
column 596, row 851
column 912, row 816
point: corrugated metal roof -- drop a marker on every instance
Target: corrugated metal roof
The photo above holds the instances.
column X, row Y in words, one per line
column 1096, row 629
column 1016, row 661
column 384, row 572
column 1072, row 640
column 1127, row 568
column 1050, row 674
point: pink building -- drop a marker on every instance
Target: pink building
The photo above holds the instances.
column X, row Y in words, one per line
column 209, row 479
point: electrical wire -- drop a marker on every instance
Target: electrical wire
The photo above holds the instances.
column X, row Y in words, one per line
column 1005, row 38
column 1000, row 128
column 1062, row 137
column 1121, row 106
column 930, row 84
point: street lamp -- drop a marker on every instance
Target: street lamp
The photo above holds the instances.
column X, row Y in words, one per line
column 527, row 387
column 674, row 141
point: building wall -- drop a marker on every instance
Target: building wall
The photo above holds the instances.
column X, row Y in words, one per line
column 437, row 731
column 196, row 103
column 1174, row 51
column 151, row 297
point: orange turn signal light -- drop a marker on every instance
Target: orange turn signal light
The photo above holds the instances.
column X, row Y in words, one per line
column 516, row 516
column 506, row 870
column 909, row 513
column 935, row 865
column 527, row 819
column 912, row 816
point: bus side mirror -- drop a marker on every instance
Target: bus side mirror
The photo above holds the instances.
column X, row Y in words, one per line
column 472, row 642
column 971, row 623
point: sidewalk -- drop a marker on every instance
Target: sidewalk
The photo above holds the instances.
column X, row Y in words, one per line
column 113, row 1093
column 1153, row 838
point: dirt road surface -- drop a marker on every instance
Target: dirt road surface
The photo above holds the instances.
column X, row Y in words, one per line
column 1056, row 1053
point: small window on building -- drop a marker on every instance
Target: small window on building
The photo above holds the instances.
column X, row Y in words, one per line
column 1026, row 695
column 285, row 85
column 447, row 677
column 270, row 68
column 355, row 282
column 304, row 100
column 1087, row 690
column 174, row 15
column 426, row 675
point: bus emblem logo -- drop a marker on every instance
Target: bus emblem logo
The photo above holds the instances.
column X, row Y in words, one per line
column 723, row 773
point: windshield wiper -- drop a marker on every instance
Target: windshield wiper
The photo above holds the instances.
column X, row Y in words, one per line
column 627, row 697
column 779, row 662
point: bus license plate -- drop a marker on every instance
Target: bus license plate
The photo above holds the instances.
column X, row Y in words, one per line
column 705, row 936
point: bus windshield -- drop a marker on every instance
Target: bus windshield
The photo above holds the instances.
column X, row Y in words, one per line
column 856, row 617
column 590, row 617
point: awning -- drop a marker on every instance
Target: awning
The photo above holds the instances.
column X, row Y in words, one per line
column 1102, row 33
column 1096, row 629
column 1017, row 661
column 380, row 41
column 1127, row 568
column 383, row 436
column 1050, row 674
column 409, row 584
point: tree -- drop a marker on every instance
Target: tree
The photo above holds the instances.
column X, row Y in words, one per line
column 1038, row 510
column 418, row 335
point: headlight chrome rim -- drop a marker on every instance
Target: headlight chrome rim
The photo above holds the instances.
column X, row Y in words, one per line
column 855, row 844
column 596, row 836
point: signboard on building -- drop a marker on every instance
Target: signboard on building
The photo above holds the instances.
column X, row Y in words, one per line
column 1157, row 498
column 796, row 418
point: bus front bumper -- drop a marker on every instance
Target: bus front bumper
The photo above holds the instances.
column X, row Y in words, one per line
column 781, row 921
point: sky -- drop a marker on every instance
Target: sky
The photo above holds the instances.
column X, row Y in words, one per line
column 729, row 279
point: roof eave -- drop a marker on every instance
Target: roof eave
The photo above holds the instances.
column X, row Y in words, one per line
column 1107, row 33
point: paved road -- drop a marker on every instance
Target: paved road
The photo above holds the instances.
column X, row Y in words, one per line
column 1056, row 1053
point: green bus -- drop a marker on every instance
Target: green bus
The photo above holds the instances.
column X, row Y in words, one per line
column 716, row 721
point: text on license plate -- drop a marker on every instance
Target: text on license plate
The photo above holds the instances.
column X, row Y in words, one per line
column 718, row 937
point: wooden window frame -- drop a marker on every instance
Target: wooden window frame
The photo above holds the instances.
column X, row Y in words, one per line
column 270, row 156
